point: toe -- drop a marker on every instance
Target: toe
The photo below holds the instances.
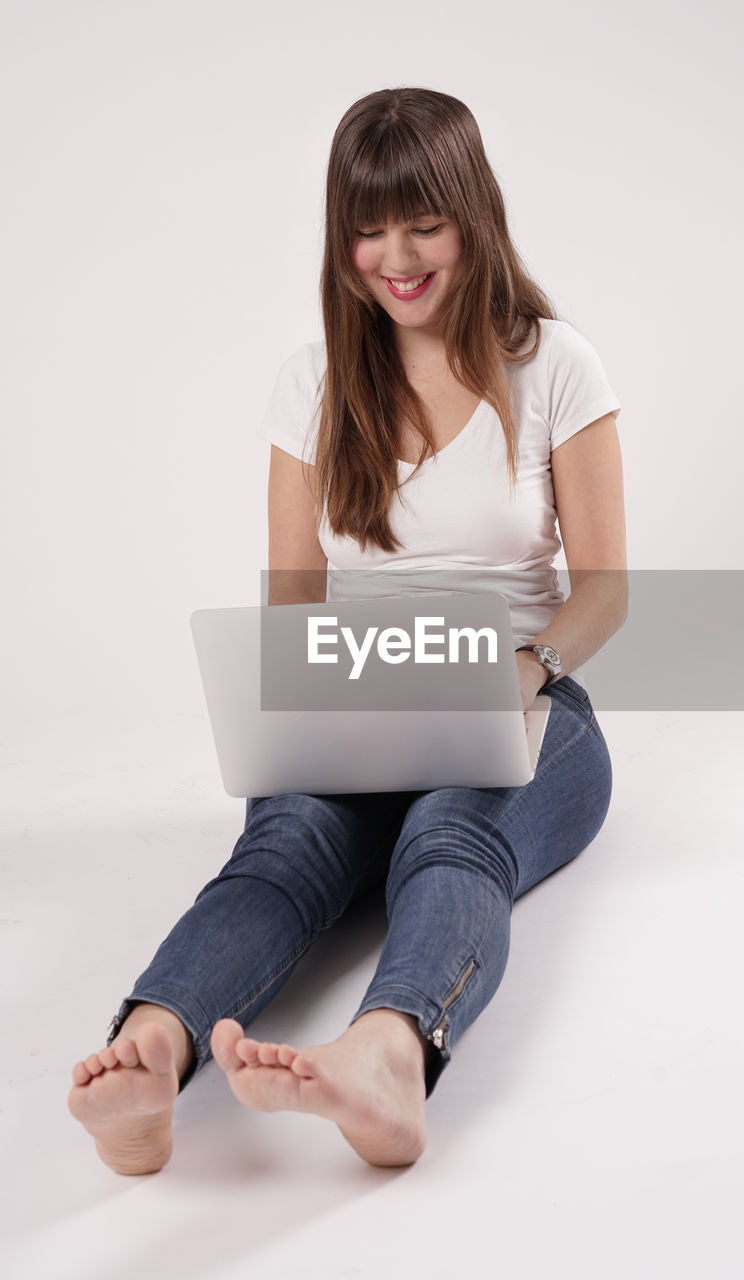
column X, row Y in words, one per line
column 247, row 1050
column 94, row 1064
column 303, row 1064
column 225, row 1035
column 267, row 1053
column 155, row 1050
column 126, row 1052
column 80, row 1073
column 108, row 1058
column 286, row 1055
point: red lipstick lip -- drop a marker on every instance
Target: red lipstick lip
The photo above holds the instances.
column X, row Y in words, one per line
column 408, row 295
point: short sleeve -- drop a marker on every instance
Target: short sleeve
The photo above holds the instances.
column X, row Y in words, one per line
column 578, row 390
column 289, row 419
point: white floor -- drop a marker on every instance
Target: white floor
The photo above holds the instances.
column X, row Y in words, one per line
column 589, row 1126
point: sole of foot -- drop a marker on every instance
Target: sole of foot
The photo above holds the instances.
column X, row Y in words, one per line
column 124, row 1095
column 374, row 1094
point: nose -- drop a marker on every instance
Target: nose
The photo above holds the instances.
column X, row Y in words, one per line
column 401, row 252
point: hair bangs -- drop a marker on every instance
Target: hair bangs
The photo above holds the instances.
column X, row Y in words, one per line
column 391, row 180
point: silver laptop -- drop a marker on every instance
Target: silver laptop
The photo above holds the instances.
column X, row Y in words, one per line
column 406, row 693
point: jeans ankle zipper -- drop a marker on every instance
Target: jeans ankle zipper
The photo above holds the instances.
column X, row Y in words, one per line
column 114, row 1028
column 438, row 1036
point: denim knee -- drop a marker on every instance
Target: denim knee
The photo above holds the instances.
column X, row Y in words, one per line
column 296, row 843
column 449, row 828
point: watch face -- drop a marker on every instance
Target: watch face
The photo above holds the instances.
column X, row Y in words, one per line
column 552, row 656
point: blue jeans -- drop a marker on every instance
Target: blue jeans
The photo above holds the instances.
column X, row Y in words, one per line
column 453, row 861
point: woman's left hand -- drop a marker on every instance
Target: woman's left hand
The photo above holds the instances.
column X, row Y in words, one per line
column 532, row 677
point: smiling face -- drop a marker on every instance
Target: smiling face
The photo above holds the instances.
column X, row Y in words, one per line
column 410, row 268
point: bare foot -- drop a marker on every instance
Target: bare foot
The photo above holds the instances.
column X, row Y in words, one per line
column 124, row 1098
column 370, row 1082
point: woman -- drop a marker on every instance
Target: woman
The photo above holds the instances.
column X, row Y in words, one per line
column 457, row 417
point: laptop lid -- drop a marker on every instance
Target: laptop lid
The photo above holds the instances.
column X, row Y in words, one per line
column 407, row 693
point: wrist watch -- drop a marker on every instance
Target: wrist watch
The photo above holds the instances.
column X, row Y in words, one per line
column 549, row 659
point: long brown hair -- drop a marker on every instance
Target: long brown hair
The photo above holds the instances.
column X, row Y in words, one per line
column 396, row 153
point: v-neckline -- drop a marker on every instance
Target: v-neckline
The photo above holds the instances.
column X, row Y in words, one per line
column 450, row 443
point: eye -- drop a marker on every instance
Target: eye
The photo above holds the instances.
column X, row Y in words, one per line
column 368, row 235
column 428, row 231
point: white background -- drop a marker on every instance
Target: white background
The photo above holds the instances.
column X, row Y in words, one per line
column 160, row 231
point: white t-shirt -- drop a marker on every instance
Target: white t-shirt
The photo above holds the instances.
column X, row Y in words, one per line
column 456, row 514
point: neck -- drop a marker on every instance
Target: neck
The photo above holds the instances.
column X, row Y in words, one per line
column 420, row 347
